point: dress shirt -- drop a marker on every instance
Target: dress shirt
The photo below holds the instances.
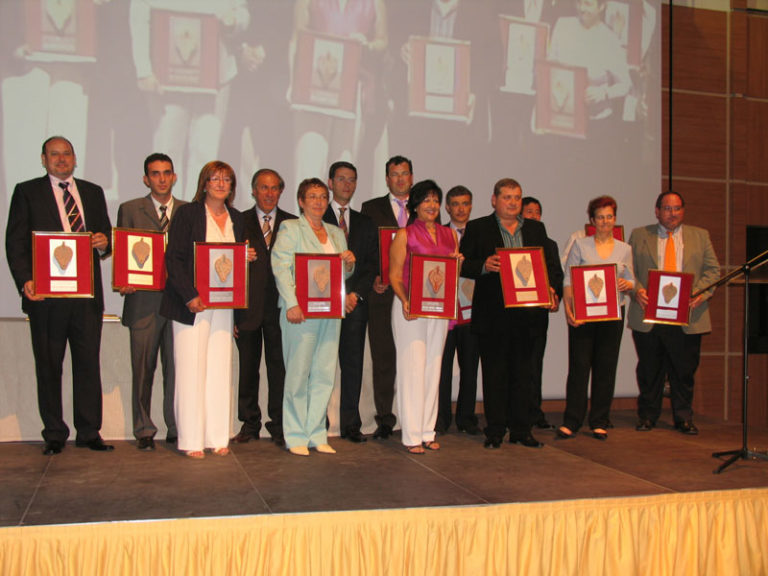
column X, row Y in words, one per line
column 335, row 206
column 396, row 207
column 169, row 208
column 59, row 194
column 512, row 240
column 677, row 235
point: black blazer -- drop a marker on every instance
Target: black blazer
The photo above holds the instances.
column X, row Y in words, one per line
column 262, row 291
column 33, row 209
column 363, row 242
column 188, row 226
column 481, row 238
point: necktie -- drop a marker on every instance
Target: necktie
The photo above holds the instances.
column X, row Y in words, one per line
column 164, row 218
column 267, row 230
column 402, row 217
column 670, row 255
column 70, row 207
column 460, row 232
column 343, row 222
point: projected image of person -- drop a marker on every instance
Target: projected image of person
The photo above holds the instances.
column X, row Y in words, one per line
column 594, row 346
column 419, row 341
column 187, row 95
column 413, row 130
column 202, row 337
column 45, row 88
column 254, row 133
column 310, row 345
column 320, row 135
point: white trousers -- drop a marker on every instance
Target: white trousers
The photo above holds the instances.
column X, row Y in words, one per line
column 203, row 357
column 419, row 345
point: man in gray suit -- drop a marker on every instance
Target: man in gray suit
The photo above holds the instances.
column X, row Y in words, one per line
column 150, row 332
column 665, row 349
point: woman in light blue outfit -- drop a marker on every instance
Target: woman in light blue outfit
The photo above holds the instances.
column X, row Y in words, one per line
column 310, row 346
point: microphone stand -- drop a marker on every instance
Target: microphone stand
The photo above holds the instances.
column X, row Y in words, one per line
column 743, row 453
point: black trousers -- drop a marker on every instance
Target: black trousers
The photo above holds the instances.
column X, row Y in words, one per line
column 249, row 343
column 507, row 385
column 383, row 355
column 460, row 340
column 54, row 324
column 538, row 347
column 666, row 350
column 592, row 347
column 351, row 354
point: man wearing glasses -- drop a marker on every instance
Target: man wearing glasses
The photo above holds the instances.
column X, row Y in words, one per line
column 666, row 349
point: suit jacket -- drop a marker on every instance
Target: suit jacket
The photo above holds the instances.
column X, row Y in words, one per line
column 363, row 242
column 296, row 237
column 34, row 209
column 481, row 238
column 262, row 291
column 187, row 227
column 699, row 259
column 140, row 213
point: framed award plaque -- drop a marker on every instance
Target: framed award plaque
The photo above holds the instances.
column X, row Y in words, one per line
column 221, row 274
column 60, row 31
column 325, row 74
column 185, row 51
column 466, row 293
column 62, row 264
column 386, row 235
column 618, row 231
column 595, row 293
column 433, row 286
column 438, row 78
column 669, row 297
column 524, row 43
column 138, row 259
column 320, row 285
column 560, row 105
column 524, row 278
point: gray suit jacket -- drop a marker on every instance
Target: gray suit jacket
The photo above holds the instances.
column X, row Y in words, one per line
column 140, row 213
column 699, row 259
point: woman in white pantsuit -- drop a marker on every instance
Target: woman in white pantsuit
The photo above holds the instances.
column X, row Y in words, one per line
column 202, row 337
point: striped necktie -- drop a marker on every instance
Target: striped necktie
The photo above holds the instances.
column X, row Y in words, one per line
column 70, row 207
column 164, row 218
column 343, row 221
column 266, row 229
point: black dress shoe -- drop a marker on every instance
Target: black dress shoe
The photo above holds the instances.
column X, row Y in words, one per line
column 687, row 427
column 382, row 432
column 355, row 436
column 471, row 428
column 599, row 434
column 644, row 425
column 171, row 439
column 529, row 441
column 492, row 442
column 565, row 433
column 145, row 443
column 543, row 424
column 53, row 447
column 244, row 437
column 96, row 444
column 279, row 440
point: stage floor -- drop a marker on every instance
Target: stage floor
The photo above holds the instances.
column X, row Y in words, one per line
column 259, row 478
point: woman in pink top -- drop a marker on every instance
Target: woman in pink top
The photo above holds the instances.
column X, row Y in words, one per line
column 419, row 341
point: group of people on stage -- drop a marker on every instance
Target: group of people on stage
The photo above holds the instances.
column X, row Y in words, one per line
column 411, row 355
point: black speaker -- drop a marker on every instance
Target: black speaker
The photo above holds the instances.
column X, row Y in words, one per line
column 757, row 243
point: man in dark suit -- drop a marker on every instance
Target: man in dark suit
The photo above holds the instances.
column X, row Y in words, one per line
column 58, row 202
column 662, row 349
column 362, row 241
column 460, row 340
column 150, row 332
column 387, row 210
column 260, row 322
column 532, row 211
column 505, row 334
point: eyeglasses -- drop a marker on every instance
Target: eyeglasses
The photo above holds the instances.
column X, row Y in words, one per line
column 345, row 180
column 316, row 197
column 604, row 218
column 225, row 179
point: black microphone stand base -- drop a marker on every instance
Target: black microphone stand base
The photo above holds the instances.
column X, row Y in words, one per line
column 741, row 454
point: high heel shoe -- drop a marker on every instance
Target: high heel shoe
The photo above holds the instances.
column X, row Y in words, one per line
column 299, row 450
column 325, row 449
